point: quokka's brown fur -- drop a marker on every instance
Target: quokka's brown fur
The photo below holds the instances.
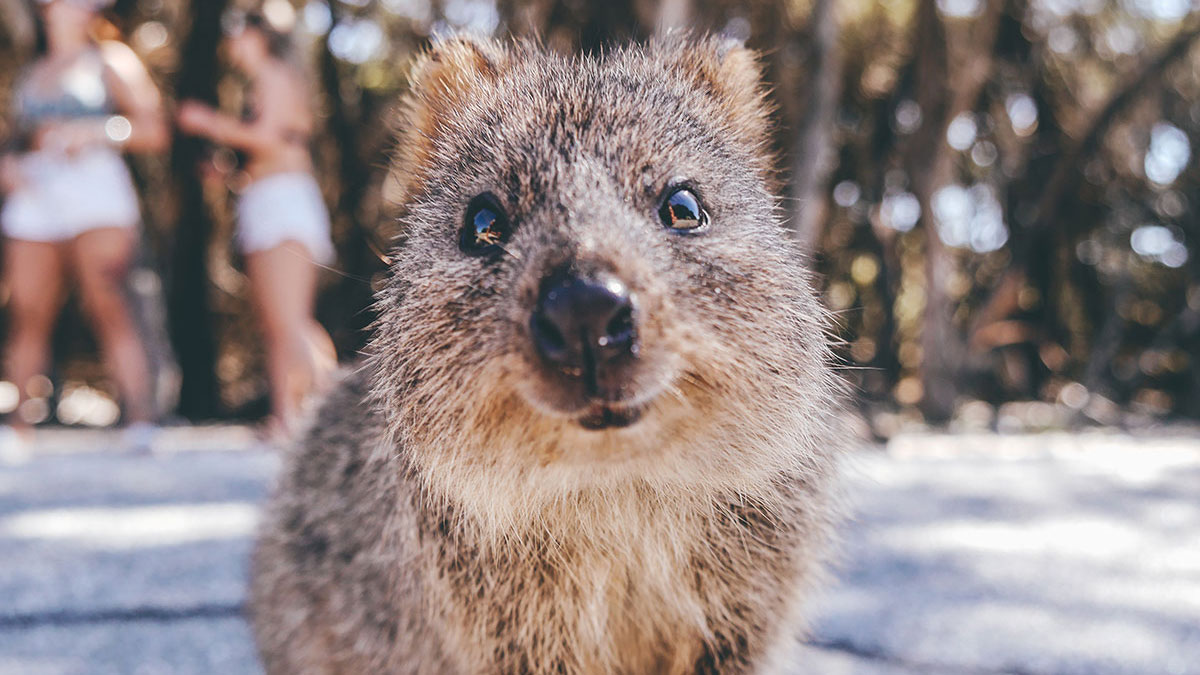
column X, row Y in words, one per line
column 449, row 513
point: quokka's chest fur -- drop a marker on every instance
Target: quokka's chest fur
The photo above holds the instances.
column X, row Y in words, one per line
column 637, row 586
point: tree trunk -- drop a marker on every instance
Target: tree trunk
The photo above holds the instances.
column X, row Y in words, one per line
column 190, row 315
column 347, row 306
column 813, row 155
column 942, row 93
column 927, row 167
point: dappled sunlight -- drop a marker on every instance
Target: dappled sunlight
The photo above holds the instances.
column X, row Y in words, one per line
column 970, row 218
column 1069, row 538
column 1168, row 153
column 131, row 527
column 1073, row 553
column 1155, row 242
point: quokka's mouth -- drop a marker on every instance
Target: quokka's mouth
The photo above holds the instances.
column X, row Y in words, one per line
column 603, row 416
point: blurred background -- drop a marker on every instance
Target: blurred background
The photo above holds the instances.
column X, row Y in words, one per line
column 1000, row 195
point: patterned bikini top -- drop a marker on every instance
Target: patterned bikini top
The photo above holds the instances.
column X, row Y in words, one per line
column 78, row 91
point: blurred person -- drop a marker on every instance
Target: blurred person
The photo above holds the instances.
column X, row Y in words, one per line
column 71, row 210
column 283, row 225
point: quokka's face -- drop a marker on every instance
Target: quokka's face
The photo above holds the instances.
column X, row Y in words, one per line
column 591, row 241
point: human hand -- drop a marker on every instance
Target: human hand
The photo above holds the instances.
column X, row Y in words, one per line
column 11, row 178
column 196, row 118
column 71, row 137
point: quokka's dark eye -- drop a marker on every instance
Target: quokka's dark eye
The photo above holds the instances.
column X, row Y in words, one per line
column 681, row 211
column 486, row 226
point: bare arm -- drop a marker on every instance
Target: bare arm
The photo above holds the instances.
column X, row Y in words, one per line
column 279, row 111
column 201, row 119
column 137, row 99
column 10, row 173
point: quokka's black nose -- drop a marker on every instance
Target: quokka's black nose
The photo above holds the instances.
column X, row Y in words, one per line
column 582, row 323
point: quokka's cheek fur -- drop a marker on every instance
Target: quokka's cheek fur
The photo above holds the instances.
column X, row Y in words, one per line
column 436, row 520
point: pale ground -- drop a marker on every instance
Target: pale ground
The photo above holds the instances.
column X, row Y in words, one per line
column 1033, row 555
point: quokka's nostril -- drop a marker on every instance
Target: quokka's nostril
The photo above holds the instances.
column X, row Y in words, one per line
column 547, row 334
column 619, row 330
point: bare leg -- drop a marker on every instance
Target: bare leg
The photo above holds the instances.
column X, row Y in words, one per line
column 34, row 275
column 101, row 258
column 283, row 283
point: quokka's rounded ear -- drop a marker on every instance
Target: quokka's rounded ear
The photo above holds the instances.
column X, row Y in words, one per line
column 739, row 75
column 452, row 65
column 731, row 73
column 441, row 80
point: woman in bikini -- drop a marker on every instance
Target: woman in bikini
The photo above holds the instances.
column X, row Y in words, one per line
column 70, row 210
column 283, row 225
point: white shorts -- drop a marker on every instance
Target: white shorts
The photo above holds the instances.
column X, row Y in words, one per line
column 62, row 196
column 284, row 207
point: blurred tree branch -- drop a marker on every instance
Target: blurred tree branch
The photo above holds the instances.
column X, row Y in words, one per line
column 1068, row 171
